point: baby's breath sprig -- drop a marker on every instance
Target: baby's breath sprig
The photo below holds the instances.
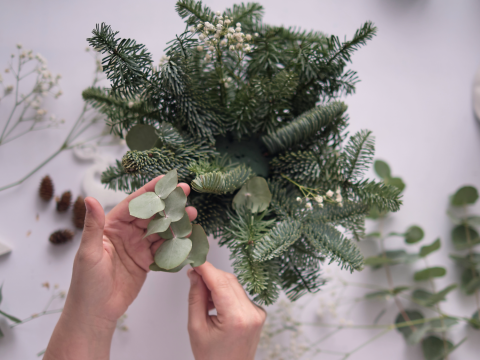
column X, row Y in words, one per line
column 316, row 195
column 222, row 35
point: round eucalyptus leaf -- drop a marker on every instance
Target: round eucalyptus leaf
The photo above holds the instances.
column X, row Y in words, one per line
column 434, row 349
column 141, row 137
column 464, row 237
column 182, row 227
column 254, row 195
column 382, row 169
column 158, row 225
column 466, row 195
column 179, row 267
column 414, row 234
column 200, row 246
column 167, row 235
column 146, row 205
column 397, row 182
column 166, row 184
column 412, row 316
column 172, row 253
column 175, row 204
column 155, row 267
column 429, row 273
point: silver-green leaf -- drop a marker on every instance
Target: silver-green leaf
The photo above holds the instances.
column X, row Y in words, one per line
column 146, row 205
column 157, row 225
column 183, row 227
column 175, row 204
column 254, row 195
column 200, row 246
column 172, row 253
column 167, row 184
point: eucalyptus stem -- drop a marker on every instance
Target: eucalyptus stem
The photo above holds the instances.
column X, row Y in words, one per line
column 389, row 277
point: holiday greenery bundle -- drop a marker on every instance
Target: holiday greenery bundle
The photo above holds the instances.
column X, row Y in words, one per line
column 237, row 104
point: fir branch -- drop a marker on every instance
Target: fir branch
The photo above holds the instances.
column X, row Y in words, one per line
column 116, row 178
column 304, row 127
column 384, row 197
column 332, row 244
column 246, row 14
column 194, row 11
column 358, row 154
column 212, row 211
column 127, row 63
column 278, row 240
column 222, row 182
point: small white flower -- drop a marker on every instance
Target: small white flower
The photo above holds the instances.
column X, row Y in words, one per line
column 219, row 26
column 231, row 30
column 220, row 18
column 202, row 37
column 329, row 193
column 226, row 85
column 339, row 198
column 19, row 46
column 338, row 191
column 8, row 89
column 239, row 46
column 239, row 25
column 200, row 48
column 216, row 36
column 308, row 205
column 41, row 112
column 192, row 29
column 229, row 79
column 208, row 57
column 40, row 58
column 58, row 94
column 232, row 47
column 318, row 199
column 199, row 26
column 256, row 34
column 218, row 13
column 130, row 104
column 238, row 29
column 299, row 199
column 211, row 48
column 229, row 35
column 223, row 42
column 227, row 22
column 247, row 48
column 220, row 22
column 248, row 37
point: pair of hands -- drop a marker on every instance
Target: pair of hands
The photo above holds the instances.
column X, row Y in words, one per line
column 109, row 270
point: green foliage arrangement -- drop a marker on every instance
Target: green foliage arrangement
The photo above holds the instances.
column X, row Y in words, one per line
column 234, row 101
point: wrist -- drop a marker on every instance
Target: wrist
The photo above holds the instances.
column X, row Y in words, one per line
column 80, row 336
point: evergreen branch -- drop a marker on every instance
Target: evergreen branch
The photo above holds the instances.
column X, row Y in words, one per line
column 127, row 63
column 384, row 197
column 212, row 211
column 194, row 11
column 358, row 154
column 222, row 182
column 116, row 178
column 304, row 127
column 332, row 244
column 277, row 241
column 246, row 14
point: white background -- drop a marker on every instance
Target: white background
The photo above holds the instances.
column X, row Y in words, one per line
column 415, row 95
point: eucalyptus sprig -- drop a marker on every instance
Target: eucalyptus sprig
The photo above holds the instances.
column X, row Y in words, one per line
column 184, row 244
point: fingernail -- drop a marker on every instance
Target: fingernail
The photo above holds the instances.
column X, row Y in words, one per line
column 87, row 206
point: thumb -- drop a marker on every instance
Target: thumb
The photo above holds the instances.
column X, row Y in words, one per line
column 92, row 237
column 197, row 302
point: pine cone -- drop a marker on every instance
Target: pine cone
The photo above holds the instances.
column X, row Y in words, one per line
column 79, row 211
column 61, row 236
column 64, row 202
column 46, row 188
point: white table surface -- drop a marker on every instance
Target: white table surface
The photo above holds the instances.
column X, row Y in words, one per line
column 415, row 95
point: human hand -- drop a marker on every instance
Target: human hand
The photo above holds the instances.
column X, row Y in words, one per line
column 108, row 272
column 234, row 332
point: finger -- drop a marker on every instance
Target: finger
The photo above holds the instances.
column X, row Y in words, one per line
column 191, row 212
column 186, row 188
column 155, row 246
column 198, row 304
column 92, row 237
column 219, row 284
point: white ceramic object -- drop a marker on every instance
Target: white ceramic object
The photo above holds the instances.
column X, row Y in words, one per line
column 4, row 249
column 91, row 185
column 476, row 94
